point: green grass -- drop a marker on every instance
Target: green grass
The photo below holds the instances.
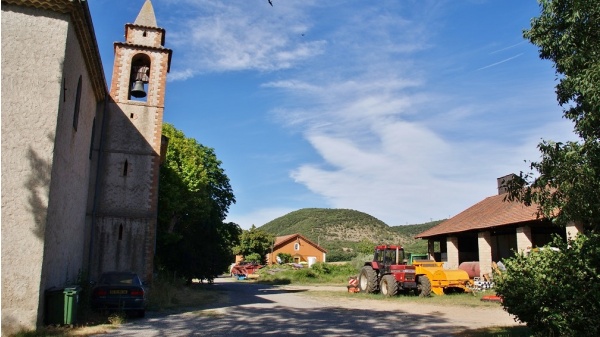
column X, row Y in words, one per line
column 464, row 299
column 319, row 273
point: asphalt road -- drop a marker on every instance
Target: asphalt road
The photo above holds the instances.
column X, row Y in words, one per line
column 262, row 310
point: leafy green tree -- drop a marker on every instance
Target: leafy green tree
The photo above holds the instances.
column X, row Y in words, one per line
column 194, row 198
column 567, row 181
column 557, row 293
column 254, row 241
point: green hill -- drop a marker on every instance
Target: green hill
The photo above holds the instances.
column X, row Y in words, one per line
column 345, row 233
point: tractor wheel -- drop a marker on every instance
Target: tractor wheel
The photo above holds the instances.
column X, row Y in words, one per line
column 367, row 280
column 389, row 286
column 423, row 286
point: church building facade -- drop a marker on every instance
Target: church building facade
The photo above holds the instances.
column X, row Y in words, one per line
column 80, row 162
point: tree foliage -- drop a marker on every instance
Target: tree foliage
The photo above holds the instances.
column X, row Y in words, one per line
column 254, row 242
column 568, row 33
column 556, row 293
column 567, row 181
column 194, row 198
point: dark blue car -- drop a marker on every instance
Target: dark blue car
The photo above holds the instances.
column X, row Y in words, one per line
column 119, row 291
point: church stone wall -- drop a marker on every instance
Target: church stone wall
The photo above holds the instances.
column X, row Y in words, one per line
column 44, row 161
column 119, row 244
column 65, row 229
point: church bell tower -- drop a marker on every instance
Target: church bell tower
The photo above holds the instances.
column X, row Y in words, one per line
column 125, row 209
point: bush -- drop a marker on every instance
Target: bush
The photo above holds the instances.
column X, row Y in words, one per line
column 556, row 293
column 321, row 268
column 359, row 261
column 285, row 257
column 254, row 258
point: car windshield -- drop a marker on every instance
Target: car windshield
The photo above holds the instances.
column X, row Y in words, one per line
column 125, row 279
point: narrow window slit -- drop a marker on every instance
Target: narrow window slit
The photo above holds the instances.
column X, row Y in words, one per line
column 125, row 167
column 120, row 232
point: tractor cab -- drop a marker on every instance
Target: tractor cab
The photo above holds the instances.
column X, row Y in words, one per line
column 386, row 256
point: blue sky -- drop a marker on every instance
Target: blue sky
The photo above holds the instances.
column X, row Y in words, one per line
column 405, row 110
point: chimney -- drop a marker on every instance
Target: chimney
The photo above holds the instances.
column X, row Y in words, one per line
column 503, row 183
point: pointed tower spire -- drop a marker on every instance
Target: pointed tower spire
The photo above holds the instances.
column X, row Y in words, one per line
column 146, row 16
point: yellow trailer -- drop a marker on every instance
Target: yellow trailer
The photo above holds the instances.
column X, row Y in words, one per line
column 433, row 275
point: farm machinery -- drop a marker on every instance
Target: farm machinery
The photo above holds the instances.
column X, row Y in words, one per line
column 391, row 271
column 387, row 273
column 245, row 270
column 438, row 278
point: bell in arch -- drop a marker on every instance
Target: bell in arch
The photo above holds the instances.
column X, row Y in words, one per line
column 138, row 89
column 139, row 77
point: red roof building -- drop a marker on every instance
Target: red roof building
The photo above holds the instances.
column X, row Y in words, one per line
column 299, row 247
column 491, row 230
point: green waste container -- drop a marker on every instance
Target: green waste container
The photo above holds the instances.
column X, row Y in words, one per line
column 62, row 305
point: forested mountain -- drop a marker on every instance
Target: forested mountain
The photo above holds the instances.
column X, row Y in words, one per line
column 345, row 233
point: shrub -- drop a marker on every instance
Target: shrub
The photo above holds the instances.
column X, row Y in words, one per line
column 285, row 257
column 359, row 261
column 556, row 293
column 254, row 258
column 321, row 268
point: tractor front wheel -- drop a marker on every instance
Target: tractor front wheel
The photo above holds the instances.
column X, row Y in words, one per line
column 423, row 286
column 367, row 280
column 389, row 286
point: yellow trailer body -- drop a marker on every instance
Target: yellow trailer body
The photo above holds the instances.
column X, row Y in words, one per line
column 441, row 278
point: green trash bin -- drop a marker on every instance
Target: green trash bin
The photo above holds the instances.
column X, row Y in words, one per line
column 62, row 305
column 71, row 296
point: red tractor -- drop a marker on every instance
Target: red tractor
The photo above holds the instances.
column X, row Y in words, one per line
column 387, row 273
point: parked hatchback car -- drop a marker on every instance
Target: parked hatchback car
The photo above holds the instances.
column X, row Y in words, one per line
column 119, row 291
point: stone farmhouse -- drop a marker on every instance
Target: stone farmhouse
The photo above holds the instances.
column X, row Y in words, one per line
column 491, row 230
column 80, row 162
column 299, row 247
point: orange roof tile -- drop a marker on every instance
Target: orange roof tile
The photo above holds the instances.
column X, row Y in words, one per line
column 490, row 212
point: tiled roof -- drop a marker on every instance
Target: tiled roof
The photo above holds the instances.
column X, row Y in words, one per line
column 282, row 240
column 490, row 212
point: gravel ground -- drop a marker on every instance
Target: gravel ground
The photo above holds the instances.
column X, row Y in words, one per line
column 263, row 310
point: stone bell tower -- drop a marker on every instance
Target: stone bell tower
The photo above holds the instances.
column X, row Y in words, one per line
column 125, row 207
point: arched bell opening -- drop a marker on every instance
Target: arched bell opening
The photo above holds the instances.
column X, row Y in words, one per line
column 140, row 76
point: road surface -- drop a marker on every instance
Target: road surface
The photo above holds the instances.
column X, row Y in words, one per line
column 263, row 310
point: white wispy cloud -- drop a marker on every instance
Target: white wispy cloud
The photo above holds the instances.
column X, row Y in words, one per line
column 219, row 36
column 509, row 47
column 359, row 94
column 499, row 62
